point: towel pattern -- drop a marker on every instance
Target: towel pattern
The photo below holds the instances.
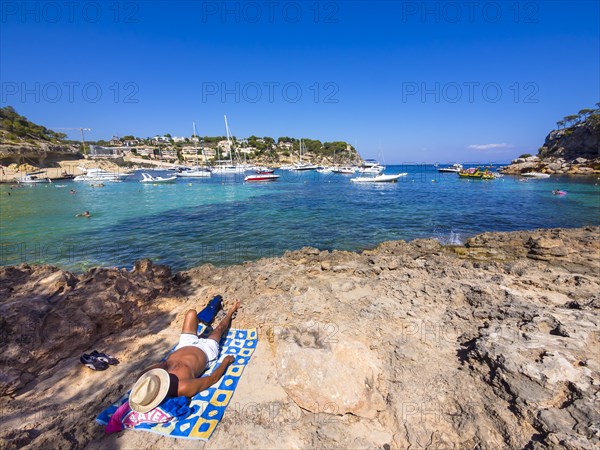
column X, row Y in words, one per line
column 198, row 417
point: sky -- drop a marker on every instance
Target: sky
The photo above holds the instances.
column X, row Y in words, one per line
column 403, row 81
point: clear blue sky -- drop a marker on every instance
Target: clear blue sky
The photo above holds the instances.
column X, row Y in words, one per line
column 406, row 81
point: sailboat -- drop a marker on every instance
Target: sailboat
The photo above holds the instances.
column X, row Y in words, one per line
column 196, row 171
column 229, row 168
column 303, row 166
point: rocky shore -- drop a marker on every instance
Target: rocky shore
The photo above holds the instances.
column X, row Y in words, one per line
column 572, row 151
column 493, row 344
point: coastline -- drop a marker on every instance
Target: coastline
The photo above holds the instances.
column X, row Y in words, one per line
column 489, row 343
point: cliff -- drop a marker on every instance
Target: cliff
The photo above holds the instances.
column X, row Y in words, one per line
column 489, row 345
column 22, row 141
column 572, row 150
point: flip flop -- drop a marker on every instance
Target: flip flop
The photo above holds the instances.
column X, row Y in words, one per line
column 105, row 358
column 92, row 362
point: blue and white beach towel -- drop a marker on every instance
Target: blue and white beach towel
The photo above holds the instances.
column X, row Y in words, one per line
column 198, row 417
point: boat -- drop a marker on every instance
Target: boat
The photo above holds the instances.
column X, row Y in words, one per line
column 345, row 170
column 99, row 175
column 147, row 178
column 375, row 168
column 195, row 171
column 369, row 163
column 230, row 168
column 379, row 178
column 261, row 177
column 32, row 178
column 455, row 168
column 326, row 170
column 302, row 166
column 535, row 175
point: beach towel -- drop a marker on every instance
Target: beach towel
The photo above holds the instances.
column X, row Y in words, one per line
column 181, row 417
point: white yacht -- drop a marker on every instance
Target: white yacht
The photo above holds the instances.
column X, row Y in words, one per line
column 193, row 172
column 535, row 175
column 345, row 170
column 100, row 175
column 375, row 168
column 379, row 178
column 455, row 168
column 31, row 178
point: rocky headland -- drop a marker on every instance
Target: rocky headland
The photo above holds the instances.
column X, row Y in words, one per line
column 573, row 150
column 493, row 344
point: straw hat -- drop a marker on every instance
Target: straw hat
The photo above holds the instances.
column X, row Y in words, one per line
column 149, row 390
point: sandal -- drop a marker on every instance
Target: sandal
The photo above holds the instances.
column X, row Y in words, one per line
column 92, row 362
column 105, row 358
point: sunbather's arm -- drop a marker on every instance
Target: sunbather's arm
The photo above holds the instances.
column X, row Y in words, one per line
column 191, row 387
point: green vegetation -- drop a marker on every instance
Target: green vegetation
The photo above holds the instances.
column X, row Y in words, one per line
column 525, row 155
column 18, row 127
column 581, row 116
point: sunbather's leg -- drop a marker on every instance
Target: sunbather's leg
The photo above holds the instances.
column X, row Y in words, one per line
column 190, row 323
column 224, row 324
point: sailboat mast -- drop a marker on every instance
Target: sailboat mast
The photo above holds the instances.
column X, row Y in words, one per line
column 195, row 143
column 229, row 141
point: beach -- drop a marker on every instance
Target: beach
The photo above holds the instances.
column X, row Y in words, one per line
column 491, row 344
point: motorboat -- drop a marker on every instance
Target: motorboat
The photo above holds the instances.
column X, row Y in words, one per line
column 375, row 168
column 32, row 178
column 261, row 177
column 535, row 175
column 455, row 168
column 304, row 166
column 147, row 178
column 370, row 163
column 379, row 178
column 345, row 170
column 99, row 175
column 228, row 168
column 262, row 169
column 326, row 170
column 194, row 172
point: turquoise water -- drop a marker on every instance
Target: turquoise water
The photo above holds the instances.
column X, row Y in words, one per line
column 223, row 220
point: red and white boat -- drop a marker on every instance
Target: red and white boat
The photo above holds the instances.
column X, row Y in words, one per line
column 261, row 177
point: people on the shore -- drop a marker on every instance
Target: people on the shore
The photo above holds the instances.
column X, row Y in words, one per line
column 84, row 214
column 178, row 375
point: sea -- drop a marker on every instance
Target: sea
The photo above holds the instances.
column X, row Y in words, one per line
column 222, row 220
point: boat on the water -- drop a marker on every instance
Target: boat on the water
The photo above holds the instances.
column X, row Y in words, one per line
column 99, row 175
column 345, row 170
column 374, row 168
column 455, row 168
column 261, row 177
column 379, row 178
column 477, row 173
column 535, row 175
column 193, row 172
column 32, row 178
column 147, row 178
